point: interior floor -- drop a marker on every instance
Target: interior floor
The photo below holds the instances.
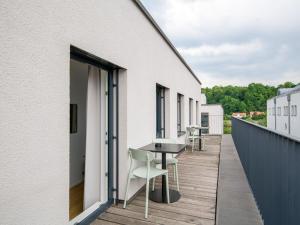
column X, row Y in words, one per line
column 76, row 200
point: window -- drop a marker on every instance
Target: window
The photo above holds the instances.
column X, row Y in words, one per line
column 285, row 110
column 294, row 110
column 179, row 114
column 190, row 111
column 160, row 111
column 205, row 122
column 278, row 111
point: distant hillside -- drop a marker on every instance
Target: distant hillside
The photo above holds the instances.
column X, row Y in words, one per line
column 243, row 99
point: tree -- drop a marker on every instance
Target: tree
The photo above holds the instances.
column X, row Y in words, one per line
column 286, row 85
column 243, row 99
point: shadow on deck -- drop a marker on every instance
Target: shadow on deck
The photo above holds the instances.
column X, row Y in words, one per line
column 198, row 176
column 200, row 186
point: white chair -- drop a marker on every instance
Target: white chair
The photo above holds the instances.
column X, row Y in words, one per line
column 147, row 172
column 191, row 136
column 170, row 161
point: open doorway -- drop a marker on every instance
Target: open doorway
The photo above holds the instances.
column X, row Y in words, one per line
column 88, row 137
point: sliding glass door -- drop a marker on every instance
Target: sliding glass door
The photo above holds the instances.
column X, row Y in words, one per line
column 93, row 135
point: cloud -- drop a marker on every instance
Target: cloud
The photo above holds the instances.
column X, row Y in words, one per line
column 234, row 41
column 202, row 19
column 212, row 79
column 225, row 49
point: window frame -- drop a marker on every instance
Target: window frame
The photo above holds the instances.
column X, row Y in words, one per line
column 190, row 111
column 202, row 116
column 179, row 114
column 294, row 110
column 160, row 111
column 286, row 110
column 278, row 111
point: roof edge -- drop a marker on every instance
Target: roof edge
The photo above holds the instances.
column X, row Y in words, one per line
column 212, row 104
column 159, row 30
column 285, row 94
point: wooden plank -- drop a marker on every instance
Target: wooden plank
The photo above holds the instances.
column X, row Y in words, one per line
column 152, row 217
column 103, row 222
column 175, row 216
column 171, row 208
column 119, row 219
column 198, row 175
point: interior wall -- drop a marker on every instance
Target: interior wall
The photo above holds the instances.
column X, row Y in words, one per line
column 78, row 95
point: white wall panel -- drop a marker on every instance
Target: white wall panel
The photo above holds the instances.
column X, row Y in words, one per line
column 35, row 95
column 295, row 120
column 216, row 117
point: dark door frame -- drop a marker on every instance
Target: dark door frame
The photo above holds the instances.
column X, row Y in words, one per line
column 85, row 57
column 160, row 106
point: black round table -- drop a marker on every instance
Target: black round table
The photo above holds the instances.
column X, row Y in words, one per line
column 160, row 195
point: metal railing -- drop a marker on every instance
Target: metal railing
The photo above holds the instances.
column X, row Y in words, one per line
column 271, row 161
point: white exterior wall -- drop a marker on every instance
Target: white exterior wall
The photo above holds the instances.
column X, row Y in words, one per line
column 282, row 121
column 295, row 120
column 270, row 116
column 216, row 118
column 35, row 95
column 203, row 99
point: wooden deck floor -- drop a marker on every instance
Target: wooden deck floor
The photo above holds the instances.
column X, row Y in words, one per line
column 198, row 175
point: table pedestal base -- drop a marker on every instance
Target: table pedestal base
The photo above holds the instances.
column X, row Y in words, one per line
column 156, row 196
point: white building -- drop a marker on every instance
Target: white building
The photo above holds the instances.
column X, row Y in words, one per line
column 212, row 116
column 80, row 83
column 282, row 111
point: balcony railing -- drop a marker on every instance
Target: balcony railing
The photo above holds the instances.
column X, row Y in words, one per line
column 271, row 161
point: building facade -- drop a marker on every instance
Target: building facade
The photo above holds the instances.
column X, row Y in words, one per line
column 282, row 112
column 80, row 84
column 212, row 117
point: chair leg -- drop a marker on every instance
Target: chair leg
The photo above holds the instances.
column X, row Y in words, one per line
column 153, row 184
column 177, row 181
column 147, row 199
column 126, row 193
column 175, row 172
column 193, row 145
column 167, row 187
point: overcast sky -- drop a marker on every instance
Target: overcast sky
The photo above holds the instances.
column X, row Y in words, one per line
column 234, row 41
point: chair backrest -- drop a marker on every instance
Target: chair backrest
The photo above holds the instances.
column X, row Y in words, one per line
column 140, row 155
column 190, row 131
